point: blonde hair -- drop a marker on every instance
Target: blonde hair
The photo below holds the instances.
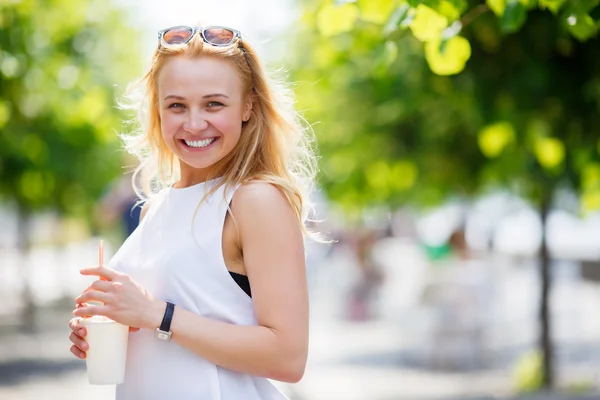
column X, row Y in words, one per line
column 276, row 145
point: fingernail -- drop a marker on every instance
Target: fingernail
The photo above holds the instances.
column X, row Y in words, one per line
column 84, row 345
column 80, row 332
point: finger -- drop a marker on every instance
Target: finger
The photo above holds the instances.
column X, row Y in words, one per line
column 101, row 271
column 75, row 325
column 90, row 311
column 101, row 285
column 94, row 295
column 78, row 342
column 78, row 353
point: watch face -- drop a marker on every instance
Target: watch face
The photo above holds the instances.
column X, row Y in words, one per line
column 162, row 335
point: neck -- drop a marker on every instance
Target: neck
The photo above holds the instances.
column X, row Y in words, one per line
column 190, row 176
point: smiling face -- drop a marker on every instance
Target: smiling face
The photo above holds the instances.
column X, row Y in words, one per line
column 202, row 105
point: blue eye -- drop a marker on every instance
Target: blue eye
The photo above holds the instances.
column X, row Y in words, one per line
column 176, row 105
column 214, row 104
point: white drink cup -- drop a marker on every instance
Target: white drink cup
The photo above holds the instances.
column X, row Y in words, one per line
column 107, row 350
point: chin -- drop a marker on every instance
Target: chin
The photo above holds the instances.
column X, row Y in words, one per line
column 200, row 164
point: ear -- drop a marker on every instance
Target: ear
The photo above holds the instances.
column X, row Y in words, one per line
column 248, row 107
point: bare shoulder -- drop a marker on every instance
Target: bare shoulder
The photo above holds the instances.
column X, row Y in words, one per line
column 261, row 195
column 262, row 205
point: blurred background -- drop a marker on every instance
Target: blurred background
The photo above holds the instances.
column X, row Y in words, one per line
column 460, row 185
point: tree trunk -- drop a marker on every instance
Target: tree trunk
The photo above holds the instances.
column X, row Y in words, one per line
column 24, row 246
column 545, row 322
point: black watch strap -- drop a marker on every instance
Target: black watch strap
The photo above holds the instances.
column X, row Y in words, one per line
column 165, row 325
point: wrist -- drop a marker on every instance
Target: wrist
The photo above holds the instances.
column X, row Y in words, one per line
column 155, row 314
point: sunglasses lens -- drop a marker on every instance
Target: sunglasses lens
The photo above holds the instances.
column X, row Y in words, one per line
column 218, row 36
column 177, row 35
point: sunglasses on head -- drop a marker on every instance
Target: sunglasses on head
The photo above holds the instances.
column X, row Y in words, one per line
column 214, row 35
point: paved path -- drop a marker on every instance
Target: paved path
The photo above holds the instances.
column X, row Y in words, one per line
column 348, row 361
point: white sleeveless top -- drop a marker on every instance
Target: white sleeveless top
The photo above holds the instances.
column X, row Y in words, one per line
column 190, row 272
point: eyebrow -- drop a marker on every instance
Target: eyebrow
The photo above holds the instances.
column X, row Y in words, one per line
column 174, row 96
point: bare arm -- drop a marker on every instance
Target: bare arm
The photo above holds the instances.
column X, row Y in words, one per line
column 273, row 254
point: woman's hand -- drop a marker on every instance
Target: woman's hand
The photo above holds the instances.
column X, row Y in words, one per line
column 78, row 334
column 79, row 346
column 124, row 300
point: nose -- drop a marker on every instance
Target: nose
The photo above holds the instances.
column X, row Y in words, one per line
column 195, row 122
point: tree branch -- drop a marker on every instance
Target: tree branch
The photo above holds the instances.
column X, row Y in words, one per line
column 474, row 13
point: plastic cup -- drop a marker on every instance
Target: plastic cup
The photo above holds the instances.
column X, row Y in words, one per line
column 107, row 350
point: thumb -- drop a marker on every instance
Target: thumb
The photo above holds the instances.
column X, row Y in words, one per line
column 133, row 329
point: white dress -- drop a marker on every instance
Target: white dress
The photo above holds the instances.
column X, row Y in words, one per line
column 189, row 271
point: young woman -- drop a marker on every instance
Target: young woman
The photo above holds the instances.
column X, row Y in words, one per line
column 220, row 244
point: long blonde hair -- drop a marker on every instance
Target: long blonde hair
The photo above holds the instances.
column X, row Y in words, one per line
column 276, row 145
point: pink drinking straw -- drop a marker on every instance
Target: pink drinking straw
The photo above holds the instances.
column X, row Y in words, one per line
column 101, row 253
column 100, row 263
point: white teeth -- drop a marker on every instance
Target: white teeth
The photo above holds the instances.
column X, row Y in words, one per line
column 199, row 143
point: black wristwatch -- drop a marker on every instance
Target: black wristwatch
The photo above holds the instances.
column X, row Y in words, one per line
column 164, row 331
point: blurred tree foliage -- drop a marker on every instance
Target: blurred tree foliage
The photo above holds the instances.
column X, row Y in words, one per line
column 418, row 100
column 63, row 64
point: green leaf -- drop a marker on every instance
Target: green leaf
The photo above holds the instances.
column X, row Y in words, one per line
column 428, row 24
column 494, row 138
column 590, row 201
column 550, row 152
column 528, row 373
column 582, row 26
column 5, row 112
column 460, row 5
column 404, row 175
column 35, row 149
column 449, row 10
column 377, row 175
column 36, row 186
column 391, row 52
column 385, row 55
column 447, row 57
column 590, row 186
column 377, row 11
column 335, row 19
column 590, row 176
column 552, row 5
column 497, row 6
column 514, row 16
column 583, row 6
column 402, row 16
